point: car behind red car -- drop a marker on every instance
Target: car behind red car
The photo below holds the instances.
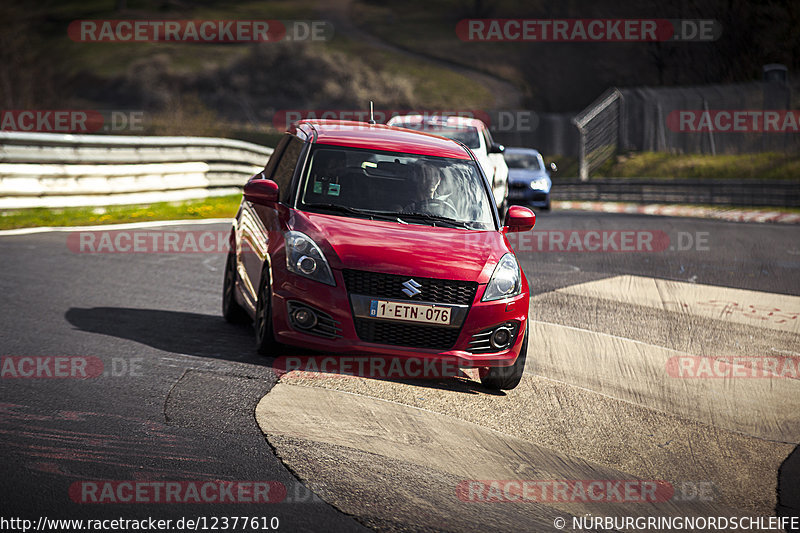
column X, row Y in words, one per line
column 374, row 240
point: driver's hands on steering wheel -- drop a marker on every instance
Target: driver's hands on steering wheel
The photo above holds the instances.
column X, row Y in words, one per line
column 433, row 206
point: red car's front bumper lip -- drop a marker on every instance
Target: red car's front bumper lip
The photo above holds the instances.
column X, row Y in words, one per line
column 335, row 302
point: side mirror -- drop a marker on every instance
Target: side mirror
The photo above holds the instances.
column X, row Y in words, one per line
column 260, row 191
column 496, row 148
column 553, row 167
column 519, row 218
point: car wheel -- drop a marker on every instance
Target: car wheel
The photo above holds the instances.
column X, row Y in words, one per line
column 506, row 377
column 547, row 205
column 265, row 339
column 231, row 310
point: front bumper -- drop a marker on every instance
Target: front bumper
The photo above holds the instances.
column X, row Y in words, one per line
column 528, row 196
column 347, row 336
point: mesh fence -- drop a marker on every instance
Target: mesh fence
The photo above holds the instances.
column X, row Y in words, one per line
column 550, row 133
column 599, row 129
column 712, row 119
column 688, row 120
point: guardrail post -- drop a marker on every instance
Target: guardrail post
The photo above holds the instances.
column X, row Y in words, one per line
column 583, row 164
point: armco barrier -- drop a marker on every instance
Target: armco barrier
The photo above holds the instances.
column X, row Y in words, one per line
column 740, row 193
column 55, row 170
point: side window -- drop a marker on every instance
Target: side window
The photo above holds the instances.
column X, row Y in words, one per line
column 276, row 155
column 487, row 137
column 285, row 169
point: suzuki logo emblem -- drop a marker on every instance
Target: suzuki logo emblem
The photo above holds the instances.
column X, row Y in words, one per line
column 411, row 288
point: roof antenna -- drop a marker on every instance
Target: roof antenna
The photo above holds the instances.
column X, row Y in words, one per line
column 371, row 113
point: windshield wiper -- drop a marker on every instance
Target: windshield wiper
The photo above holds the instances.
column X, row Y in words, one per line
column 437, row 218
column 384, row 215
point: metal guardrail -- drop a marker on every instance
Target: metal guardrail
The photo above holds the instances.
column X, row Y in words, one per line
column 740, row 193
column 53, row 170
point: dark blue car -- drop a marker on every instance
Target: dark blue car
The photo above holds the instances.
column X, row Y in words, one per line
column 528, row 179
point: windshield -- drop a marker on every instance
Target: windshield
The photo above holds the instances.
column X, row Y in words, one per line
column 404, row 188
column 465, row 134
column 522, row 160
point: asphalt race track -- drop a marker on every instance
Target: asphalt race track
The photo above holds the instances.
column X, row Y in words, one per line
column 630, row 316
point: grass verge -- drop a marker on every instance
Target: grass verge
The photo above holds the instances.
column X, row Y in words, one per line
column 214, row 207
column 773, row 166
column 659, row 165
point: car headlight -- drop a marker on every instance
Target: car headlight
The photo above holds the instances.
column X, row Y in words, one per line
column 506, row 280
column 539, row 184
column 303, row 257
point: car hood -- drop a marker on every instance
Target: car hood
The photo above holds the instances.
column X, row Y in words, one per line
column 405, row 249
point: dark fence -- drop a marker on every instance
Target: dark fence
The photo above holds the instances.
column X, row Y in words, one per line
column 742, row 193
column 650, row 119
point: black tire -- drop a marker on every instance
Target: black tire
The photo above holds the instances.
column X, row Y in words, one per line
column 507, row 377
column 547, row 207
column 231, row 310
column 265, row 338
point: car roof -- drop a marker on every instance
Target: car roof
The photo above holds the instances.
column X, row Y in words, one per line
column 448, row 120
column 521, row 150
column 363, row 135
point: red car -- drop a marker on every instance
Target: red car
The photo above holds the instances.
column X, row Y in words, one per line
column 375, row 240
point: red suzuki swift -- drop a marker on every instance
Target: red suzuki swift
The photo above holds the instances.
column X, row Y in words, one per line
column 374, row 240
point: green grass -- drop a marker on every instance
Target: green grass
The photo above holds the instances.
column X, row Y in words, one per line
column 658, row 165
column 214, row 207
column 773, row 166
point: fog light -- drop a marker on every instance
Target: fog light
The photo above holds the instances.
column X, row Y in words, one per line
column 304, row 318
column 306, row 265
column 501, row 337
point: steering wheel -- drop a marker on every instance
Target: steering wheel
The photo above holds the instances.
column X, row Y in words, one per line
column 437, row 206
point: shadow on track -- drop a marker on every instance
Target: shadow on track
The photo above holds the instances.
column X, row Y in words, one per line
column 789, row 487
column 209, row 336
column 170, row 331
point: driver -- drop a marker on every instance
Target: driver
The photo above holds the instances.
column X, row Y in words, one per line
column 426, row 180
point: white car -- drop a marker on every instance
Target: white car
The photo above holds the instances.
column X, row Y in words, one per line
column 475, row 135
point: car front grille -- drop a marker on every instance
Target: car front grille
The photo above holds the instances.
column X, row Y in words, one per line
column 440, row 291
column 410, row 335
column 390, row 286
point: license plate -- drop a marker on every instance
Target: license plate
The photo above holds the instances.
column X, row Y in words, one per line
column 428, row 314
column 516, row 194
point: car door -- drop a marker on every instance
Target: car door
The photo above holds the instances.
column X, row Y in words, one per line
column 259, row 223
